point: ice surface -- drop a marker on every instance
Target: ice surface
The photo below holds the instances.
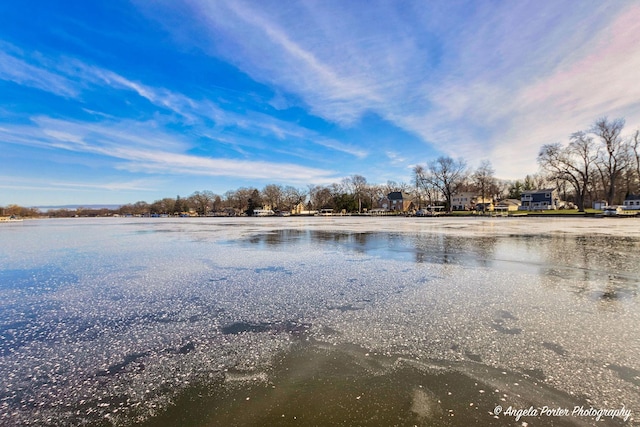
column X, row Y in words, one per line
column 113, row 318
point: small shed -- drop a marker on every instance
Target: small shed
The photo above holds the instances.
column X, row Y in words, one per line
column 599, row 204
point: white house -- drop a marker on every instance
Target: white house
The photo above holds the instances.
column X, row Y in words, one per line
column 467, row 200
column 632, row 202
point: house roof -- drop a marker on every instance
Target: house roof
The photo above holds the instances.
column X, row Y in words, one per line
column 633, row 197
column 509, row 202
column 398, row 195
column 544, row 190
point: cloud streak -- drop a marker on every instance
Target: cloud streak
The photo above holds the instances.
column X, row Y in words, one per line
column 145, row 145
column 16, row 68
column 463, row 90
column 129, row 145
column 137, row 185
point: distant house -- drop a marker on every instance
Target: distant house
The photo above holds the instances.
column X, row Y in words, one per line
column 397, row 201
column 509, row 205
column 298, row 209
column 468, row 200
column 535, row 200
column 632, row 202
column 463, row 201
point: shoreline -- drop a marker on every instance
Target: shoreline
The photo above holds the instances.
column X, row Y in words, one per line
column 454, row 214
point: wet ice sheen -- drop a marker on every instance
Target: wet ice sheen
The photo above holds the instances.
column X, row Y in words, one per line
column 116, row 320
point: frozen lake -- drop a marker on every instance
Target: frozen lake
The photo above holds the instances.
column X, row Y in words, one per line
column 319, row 321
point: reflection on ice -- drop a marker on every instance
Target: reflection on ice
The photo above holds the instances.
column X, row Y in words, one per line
column 132, row 316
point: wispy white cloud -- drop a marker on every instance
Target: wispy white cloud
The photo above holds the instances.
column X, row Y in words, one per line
column 476, row 80
column 70, row 77
column 333, row 144
column 17, row 67
column 395, row 158
column 283, row 53
column 119, row 185
column 603, row 79
column 136, row 147
column 570, row 97
column 171, row 163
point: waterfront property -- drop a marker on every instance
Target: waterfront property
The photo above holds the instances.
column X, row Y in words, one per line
column 469, row 200
column 632, row 202
column 510, row 205
column 463, row 201
column 544, row 199
column 398, row 201
column 599, row 204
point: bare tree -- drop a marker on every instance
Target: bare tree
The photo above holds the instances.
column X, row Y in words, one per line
column 424, row 186
column 502, row 188
column 390, row 187
column 574, row 164
column 164, row 206
column 612, row 159
column 320, row 196
column 138, row 208
column 272, row 195
column 418, row 173
column 239, row 199
column 217, row 203
column 292, row 196
column 202, row 201
column 484, row 180
column 635, row 157
column 540, row 180
column 446, row 175
column 356, row 185
column 230, row 199
column 20, row 211
column 375, row 193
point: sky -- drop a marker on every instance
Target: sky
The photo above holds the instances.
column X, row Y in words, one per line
column 112, row 102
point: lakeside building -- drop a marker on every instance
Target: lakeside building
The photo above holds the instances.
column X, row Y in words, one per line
column 463, row 201
column 599, row 204
column 397, row 201
column 632, row 202
column 536, row 200
column 509, row 205
column 468, row 201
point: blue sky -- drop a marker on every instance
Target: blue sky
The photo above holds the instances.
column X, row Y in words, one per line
column 120, row 101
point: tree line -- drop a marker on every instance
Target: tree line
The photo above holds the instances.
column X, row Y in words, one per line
column 351, row 194
column 597, row 163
